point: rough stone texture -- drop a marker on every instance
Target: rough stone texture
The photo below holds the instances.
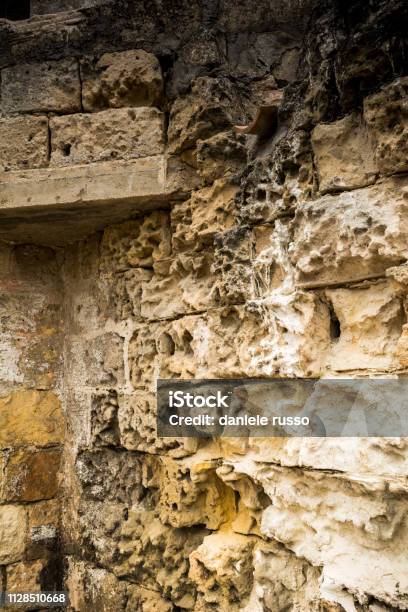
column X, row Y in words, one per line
column 30, row 417
column 214, row 255
column 24, row 143
column 130, row 78
column 344, row 155
column 352, row 236
column 386, row 114
column 48, row 86
column 12, row 530
column 113, row 134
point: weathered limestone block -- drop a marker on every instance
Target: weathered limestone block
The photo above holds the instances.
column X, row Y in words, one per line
column 23, row 143
column 27, row 576
column 189, row 492
column 371, row 320
column 124, row 291
column 211, row 107
column 344, row 154
column 275, row 187
column 97, row 589
column 222, row 571
column 136, row 243
column 137, row 425
column 93, row 588
column 106, row 475
column 31, row 475
column 351, row 236
column 97, row 360
column 104, row 419
column 178, row 286
column 250, row 500
column 129, row 78
column 359, row 539
column 208, row 211
column 43, row 528
column 386, row 113
column 125, row 133
column 41, row 87
column 223, row 154
column 13, row 526
column 156, row 556
column 261, row 339
column 30, row 418
column 284, row 582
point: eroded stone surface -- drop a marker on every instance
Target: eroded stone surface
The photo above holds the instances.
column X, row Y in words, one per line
column 130, row 78
column 24, row 143
column 112, row 134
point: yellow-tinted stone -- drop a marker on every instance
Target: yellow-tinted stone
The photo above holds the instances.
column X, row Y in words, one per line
column 30, row 417
column 30, row 476
column 13, row 522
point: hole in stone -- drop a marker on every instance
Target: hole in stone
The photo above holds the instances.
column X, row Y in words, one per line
column 15, row 10
column 261, row 195
column 335, row 329
column 66, row 150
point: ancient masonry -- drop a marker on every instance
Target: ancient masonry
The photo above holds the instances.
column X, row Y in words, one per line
column 142, row 237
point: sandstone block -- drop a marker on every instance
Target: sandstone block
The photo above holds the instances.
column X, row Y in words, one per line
column 156, row 556
column 30, row 418
column 43, row 528
column 221, row 569
column 189, row 492
column 104, row 419
column 371, row 323
column 386, row 114
column 208, row 109
column 138, row 430
column 23, row 143
column 26, row 576
column 136, row 243
column 125, row 133
column 351, row 236
column 94, row 588
column 209, row 210
column 13, row 525
column 223, row 154
column 346, row 539
column 128, row 78
column 261, row 339
column 40, row 87
column 178, row 286
column 344, row 154
column 31, row 475
column 97, row 361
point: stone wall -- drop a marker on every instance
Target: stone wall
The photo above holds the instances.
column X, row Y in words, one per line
column 143, row 239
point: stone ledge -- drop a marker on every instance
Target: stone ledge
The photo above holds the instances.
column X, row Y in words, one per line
column 79, row 200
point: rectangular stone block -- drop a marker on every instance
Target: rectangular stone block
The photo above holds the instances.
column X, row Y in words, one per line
column 52, row 86
column 208, row 211
column 127, row 78
column 344, row 154
column 370, row 326
column 261, row 339
column 13, row 526
column 386, row 113
column 352, row 236
column 31, row 475
column 136, row 243
column 30, row 418
column 23, row 143
column 125, row 133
